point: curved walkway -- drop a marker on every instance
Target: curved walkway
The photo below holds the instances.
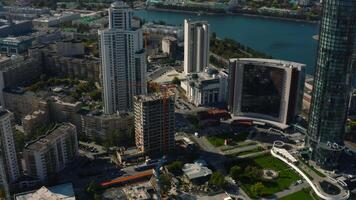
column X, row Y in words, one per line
column 313, row 186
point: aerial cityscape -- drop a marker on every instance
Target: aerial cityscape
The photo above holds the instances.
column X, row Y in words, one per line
column 177, row 99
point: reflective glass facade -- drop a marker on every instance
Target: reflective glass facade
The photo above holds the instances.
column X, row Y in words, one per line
column 332, row 82
column 262, row 90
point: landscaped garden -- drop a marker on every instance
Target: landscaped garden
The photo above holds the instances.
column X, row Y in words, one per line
column 218, row 140
column 249, row 172
column 303, row 194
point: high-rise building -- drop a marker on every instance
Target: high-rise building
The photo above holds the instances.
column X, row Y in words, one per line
column 332, row 82
column 154, row 122
column 196, row 46
column 123, row 60
column 266, row 90
column 51, row 153
column 9, row 169
column 8, row 151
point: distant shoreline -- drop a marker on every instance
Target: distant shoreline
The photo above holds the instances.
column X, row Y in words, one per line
column 241, row 14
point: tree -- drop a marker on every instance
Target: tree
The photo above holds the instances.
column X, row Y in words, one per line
column 20, row 140
column 258, row 188
column 213, row 36
column 63, row 6
column 85, row 87
column 176, row 81
column 253, row 173
column 165, row 183
column 235, row 171
column 175, row 167
column 92, row 190
column 2, row 193
column 217, row 180
column 95, row 95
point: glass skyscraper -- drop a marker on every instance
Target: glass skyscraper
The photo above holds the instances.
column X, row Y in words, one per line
column 332, row 82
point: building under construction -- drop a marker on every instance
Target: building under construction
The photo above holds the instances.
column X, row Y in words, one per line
column 155, row 122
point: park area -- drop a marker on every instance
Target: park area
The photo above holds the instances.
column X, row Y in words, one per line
column 234, row 138
column 250, row 174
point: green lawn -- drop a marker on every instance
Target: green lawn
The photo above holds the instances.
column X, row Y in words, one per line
column 218, row 140
column 286, row 176
column 303, row 194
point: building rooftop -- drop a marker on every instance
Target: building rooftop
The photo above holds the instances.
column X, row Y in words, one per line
column 196, row 170
column 170, row 38
column 271, row 62
column 48, row 137
column 162, row 76
column 152, row 97
column 58, row 192
column 208, row 74
column 16, row 40
column 138, row 191
column 119, row 4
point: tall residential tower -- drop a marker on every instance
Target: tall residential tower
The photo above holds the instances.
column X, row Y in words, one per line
column 123, row 60
column 8, row 160
column 332, row 82
column 196, row 46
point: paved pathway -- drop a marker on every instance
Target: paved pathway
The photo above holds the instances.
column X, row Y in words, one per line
column 292, row 189
column 240, row 149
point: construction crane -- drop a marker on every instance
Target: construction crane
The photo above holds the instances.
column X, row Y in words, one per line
column 157, row 174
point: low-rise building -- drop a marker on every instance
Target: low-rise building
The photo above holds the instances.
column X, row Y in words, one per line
column 86, row 68
column 57, row 192
column 51, row 153
column 207, row 88
column 169, row 46
column 15, row 45
column 14, row 28
column 70, row 48
column 197, row 172
column 22, row 103
column 55, row 20
column 36, row 119
column 62, row 110
column 93, row 124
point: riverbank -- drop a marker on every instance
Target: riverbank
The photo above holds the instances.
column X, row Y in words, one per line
column 281, row 39
column 230, row 13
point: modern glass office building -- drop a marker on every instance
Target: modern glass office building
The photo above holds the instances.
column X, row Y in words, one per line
column 265, row 90
column 332, row 82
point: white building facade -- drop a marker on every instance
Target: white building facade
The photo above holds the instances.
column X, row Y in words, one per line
column 8, row 151
column 196, row 46
column 123, row 60
column 207, row 88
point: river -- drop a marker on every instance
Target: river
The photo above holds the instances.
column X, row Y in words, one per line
column 281, row 39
